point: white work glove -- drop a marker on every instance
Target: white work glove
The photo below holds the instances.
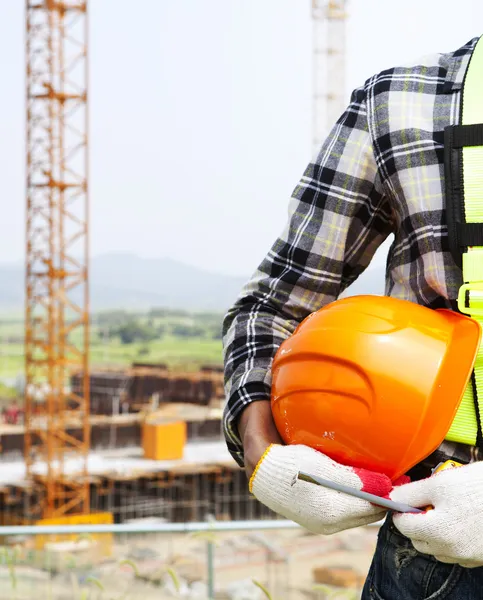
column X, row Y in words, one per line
column 452, row 531
column 318, row 509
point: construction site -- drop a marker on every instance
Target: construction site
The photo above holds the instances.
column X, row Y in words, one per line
column 134, row 442
column 141, row 443
column 156, row 450
column 157, row 455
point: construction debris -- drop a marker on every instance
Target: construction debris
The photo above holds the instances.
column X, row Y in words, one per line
column 342, row 577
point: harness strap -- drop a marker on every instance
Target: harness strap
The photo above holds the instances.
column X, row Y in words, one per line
column 464, row 205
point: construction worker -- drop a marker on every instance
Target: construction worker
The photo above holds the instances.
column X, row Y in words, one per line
column 382, row 170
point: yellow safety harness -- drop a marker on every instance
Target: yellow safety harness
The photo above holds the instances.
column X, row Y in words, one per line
column 464, row 210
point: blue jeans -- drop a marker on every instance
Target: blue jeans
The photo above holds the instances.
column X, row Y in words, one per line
column 399, row 572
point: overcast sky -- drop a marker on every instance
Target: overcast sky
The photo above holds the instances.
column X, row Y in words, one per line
column 201, row 115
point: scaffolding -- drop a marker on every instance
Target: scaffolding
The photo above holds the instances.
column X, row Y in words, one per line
column 183, row 493
column 57, row 322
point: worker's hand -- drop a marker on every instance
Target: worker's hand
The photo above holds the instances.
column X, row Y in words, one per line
column 452, row 531
column 318, row 509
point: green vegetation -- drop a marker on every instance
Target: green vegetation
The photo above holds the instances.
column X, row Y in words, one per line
column 177, row 338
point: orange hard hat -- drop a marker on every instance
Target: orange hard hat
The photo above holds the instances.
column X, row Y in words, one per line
column 373, row 381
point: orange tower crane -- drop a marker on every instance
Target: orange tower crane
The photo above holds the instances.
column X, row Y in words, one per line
column 57, row 436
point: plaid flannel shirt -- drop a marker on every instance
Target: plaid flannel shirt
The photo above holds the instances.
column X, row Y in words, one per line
column 379, row 172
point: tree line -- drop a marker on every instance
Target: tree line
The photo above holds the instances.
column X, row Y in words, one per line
column 131, row 327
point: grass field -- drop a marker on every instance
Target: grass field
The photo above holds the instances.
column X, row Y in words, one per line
column 178, row 352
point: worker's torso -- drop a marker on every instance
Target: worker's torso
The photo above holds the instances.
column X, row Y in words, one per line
column 408, row 110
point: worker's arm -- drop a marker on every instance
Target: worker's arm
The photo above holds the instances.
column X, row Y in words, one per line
column 338, row 216
column 257, row 431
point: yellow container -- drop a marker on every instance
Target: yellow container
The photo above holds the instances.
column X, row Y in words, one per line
column 103, row 540
column 164, row 440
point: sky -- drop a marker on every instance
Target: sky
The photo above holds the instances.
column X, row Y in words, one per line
column 201, row 116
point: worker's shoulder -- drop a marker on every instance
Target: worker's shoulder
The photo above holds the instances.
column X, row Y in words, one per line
column 422, row 74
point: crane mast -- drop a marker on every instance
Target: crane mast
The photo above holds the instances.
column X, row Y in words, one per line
column 329, row 50
column 57, row 302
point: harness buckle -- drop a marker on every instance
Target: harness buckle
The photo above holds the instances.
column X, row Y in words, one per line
column 474, row 290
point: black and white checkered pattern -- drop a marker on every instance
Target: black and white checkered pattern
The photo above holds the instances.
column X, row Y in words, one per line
column 380, row 171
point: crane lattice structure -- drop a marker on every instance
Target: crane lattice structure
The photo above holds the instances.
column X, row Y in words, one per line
column 329, row 60
column 56, row 319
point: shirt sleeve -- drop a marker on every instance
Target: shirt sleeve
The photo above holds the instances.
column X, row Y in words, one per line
column 338, row 217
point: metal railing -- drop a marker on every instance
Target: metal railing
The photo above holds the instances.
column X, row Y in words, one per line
column 190, row 527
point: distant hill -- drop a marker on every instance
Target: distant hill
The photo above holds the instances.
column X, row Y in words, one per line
column 130, row 282
column 127, row 281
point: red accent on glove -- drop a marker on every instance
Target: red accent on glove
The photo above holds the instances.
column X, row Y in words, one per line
column 401, row 480
column 378, row 483
column 374, row 483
